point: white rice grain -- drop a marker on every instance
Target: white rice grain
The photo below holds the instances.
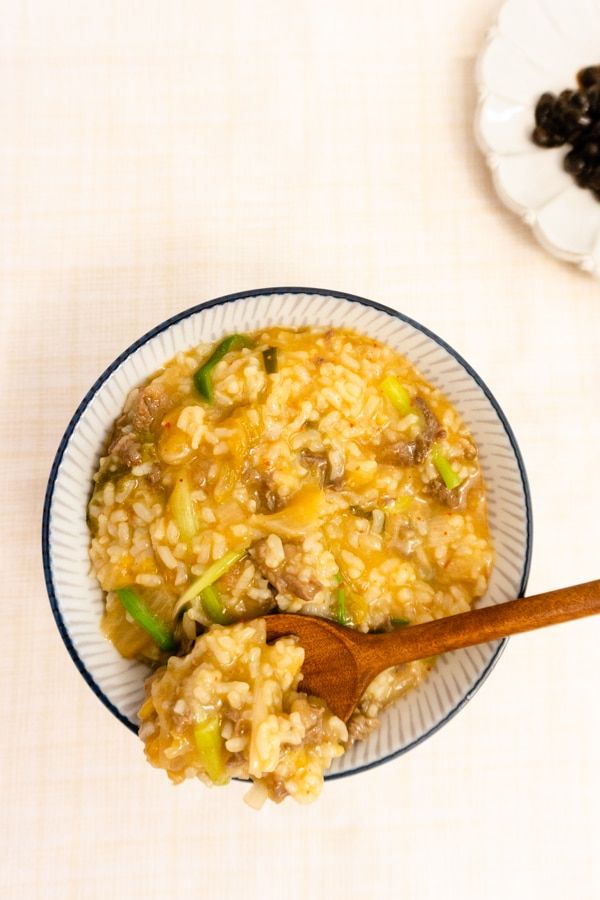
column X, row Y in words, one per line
column 166, row 556
column 142, row 512
column 219, row 548
column 172, row 533
column 148, row 580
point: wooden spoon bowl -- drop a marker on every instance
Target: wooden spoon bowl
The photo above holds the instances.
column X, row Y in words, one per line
column 339, row 663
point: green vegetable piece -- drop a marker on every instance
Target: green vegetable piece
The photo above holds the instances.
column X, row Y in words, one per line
column 213, row 606
column 212, row 574
column 340, row 609
column 399, row 623
column 442, row 464
column 138, row 610
column 396, row 394
column 211, row 749
column 270, row 360
column 341, row 615
column 182, row 507
column 203, row 376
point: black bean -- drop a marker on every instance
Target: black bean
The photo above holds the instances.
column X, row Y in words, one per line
column 544, row 138
column 593, row 179
column 592, row 133
column 573, row 117
column 565, row 96
column 591, row 150
column 580, row 101
column 593, row 101
column 544, row 109
column 582, row 177
column 574, row 162
column 589, row 76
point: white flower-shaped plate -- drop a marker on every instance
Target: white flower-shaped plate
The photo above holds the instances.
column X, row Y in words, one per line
column 538, row 46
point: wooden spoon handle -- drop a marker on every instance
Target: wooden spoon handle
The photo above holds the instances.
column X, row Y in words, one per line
column 481, row 625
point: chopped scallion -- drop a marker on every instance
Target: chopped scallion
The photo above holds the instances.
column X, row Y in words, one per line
column 270, row 360
column 213, row 605
column 137, row 609
column 203, row 376
column 442, row 464
column 212, row 574
column 396, row 394
column 182, row 507
column 211, row 749
column 341, row 615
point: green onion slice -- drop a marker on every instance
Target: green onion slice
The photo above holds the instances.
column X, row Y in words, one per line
column 203, row 376
column 212, row 574
column 341, row 614
column 270, row 360
column 138, row 610
column 396, row 394
column 442, row 464
column 213, row 605
column 211, row 749
column 182, row 507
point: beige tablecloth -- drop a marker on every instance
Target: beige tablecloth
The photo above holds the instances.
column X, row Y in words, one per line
column 157, row 154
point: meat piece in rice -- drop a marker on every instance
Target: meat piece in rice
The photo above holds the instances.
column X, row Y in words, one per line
column 454, row 498
column 360, row 727
column 413, row 453
column 155, row 474
column 263, row 490
column 126, row 450
column 316, row 463
column 327, row 467
column 276, row 788
column 150, row 401
column 283, row 580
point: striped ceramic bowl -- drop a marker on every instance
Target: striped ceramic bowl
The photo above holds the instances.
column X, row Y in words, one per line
column 76, row 599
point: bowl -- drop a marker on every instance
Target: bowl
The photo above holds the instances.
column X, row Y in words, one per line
column 537, row 46
column 76, row 598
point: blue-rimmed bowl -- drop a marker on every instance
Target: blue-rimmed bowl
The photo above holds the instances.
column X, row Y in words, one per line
column 76, row 598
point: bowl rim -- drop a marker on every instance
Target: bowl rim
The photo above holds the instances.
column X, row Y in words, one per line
column 219, row 301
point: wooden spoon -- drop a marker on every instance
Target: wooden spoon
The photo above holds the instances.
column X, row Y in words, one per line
column 339, row 662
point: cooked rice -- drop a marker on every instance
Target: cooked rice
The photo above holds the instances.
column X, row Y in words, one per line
column 294, row 463
column 274, row 734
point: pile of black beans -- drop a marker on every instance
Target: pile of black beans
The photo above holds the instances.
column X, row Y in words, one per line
column 574, row 118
